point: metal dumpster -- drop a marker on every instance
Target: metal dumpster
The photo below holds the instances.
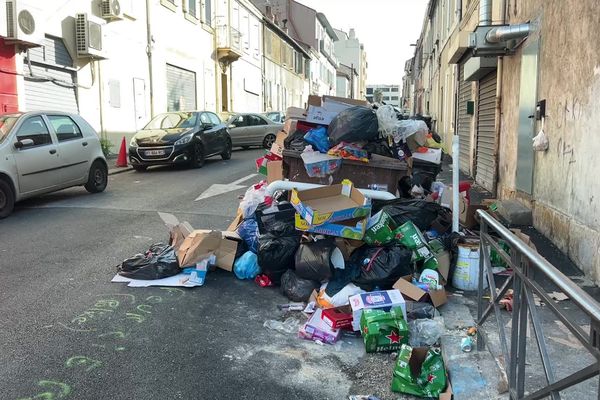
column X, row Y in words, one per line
column 380, row 173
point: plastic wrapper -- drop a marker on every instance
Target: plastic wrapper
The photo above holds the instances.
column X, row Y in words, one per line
column 381, row 266
column 349, row 151
column 425, row 332
column 290, row 325
column 276, row 250
column 295, row 288
column 160, row 261
column 387, row 119
column 340, row 298
column 254, row 196
column 248, row 231
column 430, row 381
column 540, row 141
column 246, row 267
column 295, row 141
column 354, row 124
column 320, row 165
column 409, row 127
column 315, row 260
column 318, row 138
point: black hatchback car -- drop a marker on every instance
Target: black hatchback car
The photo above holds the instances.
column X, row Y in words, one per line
column 180, row 138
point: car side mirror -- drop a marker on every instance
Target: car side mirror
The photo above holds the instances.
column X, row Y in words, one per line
column 23, row 143
column 206, row 126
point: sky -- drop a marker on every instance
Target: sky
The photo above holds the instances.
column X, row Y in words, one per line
column 385, row 27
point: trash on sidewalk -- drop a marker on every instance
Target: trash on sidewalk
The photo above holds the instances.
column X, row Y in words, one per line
column 420, row 371
column 384, row 331
column 290, row 325
column 383, row 300
column 317, row 329
column 160, row 261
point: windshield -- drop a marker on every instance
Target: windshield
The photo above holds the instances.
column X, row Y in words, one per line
column 6, row 124
column 173, row 120
column 274, row 116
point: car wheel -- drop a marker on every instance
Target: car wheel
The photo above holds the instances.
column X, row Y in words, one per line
column 140, row 168
column 7, row 199
column 226, row 155
column 97, row 178
column 198, row 156
column 268, row 141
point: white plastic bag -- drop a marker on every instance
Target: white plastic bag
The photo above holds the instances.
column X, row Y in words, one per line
column 540, row 141
column 387, row 119
column 255, row 195
column 409, row 127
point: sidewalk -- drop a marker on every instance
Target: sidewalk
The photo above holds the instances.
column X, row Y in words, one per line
column 113, row 169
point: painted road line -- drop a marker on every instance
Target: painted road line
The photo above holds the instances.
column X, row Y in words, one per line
column 220, row 188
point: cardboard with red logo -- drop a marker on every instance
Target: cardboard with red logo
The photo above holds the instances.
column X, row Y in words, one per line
column 316, row 329
column 338, row 317
column 416, row 362
column 383, row 300
column 413, row 292
column 383, row 331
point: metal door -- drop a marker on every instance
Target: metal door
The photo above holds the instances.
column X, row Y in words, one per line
column 527, row 100
column 181, row 89
column 139, row 102
column 485, row 170
column 49, row 78
column 464, row 121
column 38, row 166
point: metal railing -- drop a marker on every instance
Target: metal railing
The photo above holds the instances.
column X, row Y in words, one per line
column 228, row 38
column 526, row 264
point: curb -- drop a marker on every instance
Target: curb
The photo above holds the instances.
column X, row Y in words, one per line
column 119, row 170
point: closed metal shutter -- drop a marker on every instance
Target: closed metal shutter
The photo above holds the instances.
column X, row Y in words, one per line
column 464, row 121
column 50, row 78
column 486, row 133
column 181, row 89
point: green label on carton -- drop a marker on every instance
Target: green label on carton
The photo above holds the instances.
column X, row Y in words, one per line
column 432, row 380
column 380, row 229
column 383, row 331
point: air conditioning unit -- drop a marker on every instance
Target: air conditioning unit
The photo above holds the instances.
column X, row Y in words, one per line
column 24, row 25
column 88, row 37
column 111, row 10
column 3, row 25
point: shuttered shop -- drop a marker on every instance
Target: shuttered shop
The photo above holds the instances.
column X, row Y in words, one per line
column 181, row 89
column 464, row 121
column 50, row 78
column 486, row 133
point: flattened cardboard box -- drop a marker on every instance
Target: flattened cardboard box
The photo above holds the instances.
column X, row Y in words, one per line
column 349, row 229
column 404, row 285
column 274, row 171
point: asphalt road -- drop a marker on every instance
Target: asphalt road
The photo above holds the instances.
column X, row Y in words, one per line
column 69, row 333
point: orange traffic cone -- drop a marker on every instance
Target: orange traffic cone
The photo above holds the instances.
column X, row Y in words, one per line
column 122, row 159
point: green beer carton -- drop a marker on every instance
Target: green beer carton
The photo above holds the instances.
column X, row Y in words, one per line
column 380, row 229
column 430, row 379
column 383, row 331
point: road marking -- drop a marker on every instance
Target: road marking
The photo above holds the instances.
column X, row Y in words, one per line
column 220, row 188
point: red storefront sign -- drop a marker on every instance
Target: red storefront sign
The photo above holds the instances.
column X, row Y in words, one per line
column 8, row 78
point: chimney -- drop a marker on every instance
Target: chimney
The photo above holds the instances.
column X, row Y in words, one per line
column 352, row 34
column 276, row 20
column 284, row 27
column 269, row 13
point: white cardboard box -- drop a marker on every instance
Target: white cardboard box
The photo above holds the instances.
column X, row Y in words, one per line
column 385, row 300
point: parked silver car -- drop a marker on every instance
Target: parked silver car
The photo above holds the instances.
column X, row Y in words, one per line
column 41, row 152
column 252, row 130
column 276, row 116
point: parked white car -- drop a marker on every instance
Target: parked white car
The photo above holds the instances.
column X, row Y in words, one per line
column 41, row 152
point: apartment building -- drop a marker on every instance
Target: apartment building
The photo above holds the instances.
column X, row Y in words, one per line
column 348, row 82
column 389, row 94
column 351, row 53
column 508, row 85
column 314, row 32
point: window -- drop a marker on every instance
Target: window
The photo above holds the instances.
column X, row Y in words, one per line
column 170, row 4
column 204, row 118
column 386, row 98
column 191, row 8
column 65, row 127
column 214, row 119
column 254, row 120
column 238, row 121
column 208, row 12
column 394, row 98
column 394, row 89
column 369, row 90
column 35, row 129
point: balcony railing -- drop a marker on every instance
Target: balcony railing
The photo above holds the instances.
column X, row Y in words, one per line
column 229, row 43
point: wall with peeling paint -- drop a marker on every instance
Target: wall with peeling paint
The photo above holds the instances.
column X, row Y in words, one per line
column 566, row 190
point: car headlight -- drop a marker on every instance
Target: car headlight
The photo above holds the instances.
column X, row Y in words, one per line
column 184, row 140
column 133, row 143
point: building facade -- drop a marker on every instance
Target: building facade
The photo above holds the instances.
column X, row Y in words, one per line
column 509, row 85
column 389, row 94
column 348, row 82
column 350, row 52
column 313, row 31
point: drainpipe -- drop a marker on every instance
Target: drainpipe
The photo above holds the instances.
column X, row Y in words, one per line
column 498, row 111
column 485, row 12
column 100, row 97
column 149, row 53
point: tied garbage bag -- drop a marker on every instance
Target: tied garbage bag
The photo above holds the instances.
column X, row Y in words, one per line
column 276, row 250
column 317, row 137
column 248, row 231
column 160, row 261
column 421, row 212
column 428, row 381
column 296, row 289
column 246, row 267
column 381, row 266
column 316, row 260
column 354, row 124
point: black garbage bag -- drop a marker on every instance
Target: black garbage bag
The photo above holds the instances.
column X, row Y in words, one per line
column 295, row 288
column 160, row 261
column 313, row 260
column 295, row 141
column 379, row 147
column 381, row 266
column 354, row 124
column 276, row 249
column 421, row 212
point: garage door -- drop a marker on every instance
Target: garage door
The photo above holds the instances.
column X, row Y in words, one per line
column 181, row 89
column 50, row 78
column 464, row 121
column 486, row 133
